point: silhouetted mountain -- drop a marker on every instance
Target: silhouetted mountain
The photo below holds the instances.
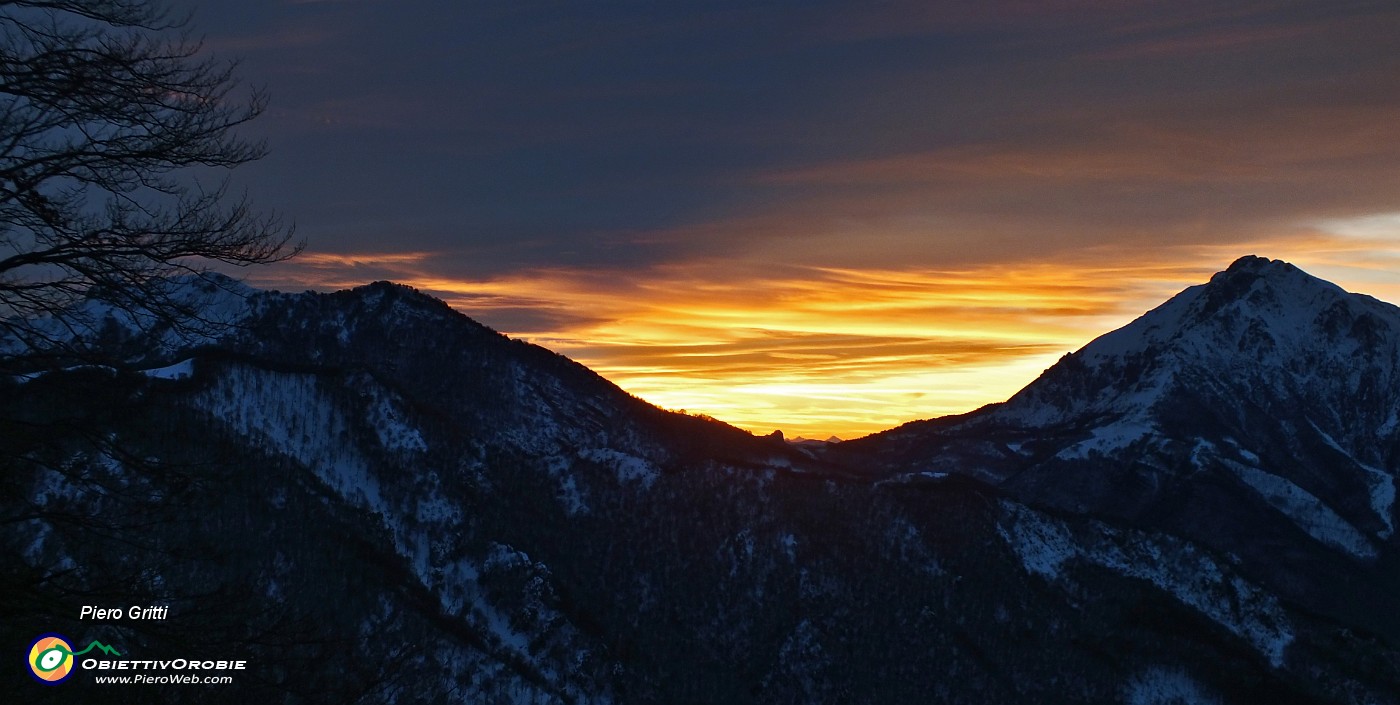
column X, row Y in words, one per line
column 373, row 498
column 1256, row 414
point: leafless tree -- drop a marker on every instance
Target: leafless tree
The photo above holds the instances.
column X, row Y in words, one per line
column 110, row 114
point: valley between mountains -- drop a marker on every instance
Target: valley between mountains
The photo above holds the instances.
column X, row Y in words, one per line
column 373, row 498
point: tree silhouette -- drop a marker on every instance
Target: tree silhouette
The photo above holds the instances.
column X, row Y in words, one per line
column 109, row 114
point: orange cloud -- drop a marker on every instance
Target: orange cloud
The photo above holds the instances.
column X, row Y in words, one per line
column 816, row 351
column 817, row 348
column 329, row 260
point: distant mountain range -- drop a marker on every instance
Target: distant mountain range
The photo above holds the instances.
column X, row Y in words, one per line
column 373, row 498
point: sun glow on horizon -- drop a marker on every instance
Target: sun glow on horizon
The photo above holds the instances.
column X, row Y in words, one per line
column 818, row 351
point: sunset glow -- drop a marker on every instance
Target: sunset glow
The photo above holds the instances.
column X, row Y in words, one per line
column 833, row 218
column 820, row 351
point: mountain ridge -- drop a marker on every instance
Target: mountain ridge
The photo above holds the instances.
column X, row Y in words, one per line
column 370, row 467
column 1265, row 392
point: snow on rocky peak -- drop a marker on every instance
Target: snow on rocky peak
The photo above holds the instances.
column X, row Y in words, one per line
column 186, row 311
column 1261, row 320
column 1258, row 307
column 1265, row 373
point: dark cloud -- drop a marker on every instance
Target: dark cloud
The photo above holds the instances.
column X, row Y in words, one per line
column 583, row 134
column 508, row 147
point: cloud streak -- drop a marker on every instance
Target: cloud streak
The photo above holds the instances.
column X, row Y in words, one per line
column 832, row 217
column 818, row 350
column 822, row 350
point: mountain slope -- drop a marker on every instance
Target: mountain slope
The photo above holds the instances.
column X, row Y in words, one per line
column 376, row 499
column 1256, row 414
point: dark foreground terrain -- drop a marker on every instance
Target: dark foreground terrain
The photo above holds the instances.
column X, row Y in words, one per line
column 371, row 498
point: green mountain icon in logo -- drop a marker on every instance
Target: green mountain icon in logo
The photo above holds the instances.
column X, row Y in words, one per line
column 100, row 647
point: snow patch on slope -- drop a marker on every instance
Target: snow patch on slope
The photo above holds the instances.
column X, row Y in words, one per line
column 1383, row 499
column 386, row 416
column 1043, row 546
column 569, row 493
column 910, row 478
column 1109, row 438
column 1152, row 328
column 1307, row 511
column 179, row 370
column 630, row 469
column 1046, row 546
column 1160, row 686
column 1382, row 484
column 290, row 414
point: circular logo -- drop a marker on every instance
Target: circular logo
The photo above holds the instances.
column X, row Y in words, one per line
column 51, row 658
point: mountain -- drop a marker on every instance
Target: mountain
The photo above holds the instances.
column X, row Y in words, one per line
column 1256, row 414
column 373, row 498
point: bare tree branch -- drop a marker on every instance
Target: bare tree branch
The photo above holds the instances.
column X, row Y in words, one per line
column 108, row 110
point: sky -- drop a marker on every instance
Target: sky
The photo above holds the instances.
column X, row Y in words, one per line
column 822, row 217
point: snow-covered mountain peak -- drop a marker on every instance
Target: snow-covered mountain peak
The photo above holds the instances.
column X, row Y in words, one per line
column 1259, row 308
column 1265, row 393
column 1259, row 324
column 167, row 318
